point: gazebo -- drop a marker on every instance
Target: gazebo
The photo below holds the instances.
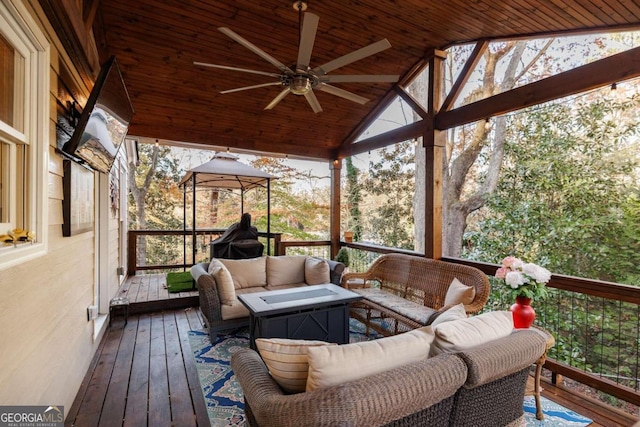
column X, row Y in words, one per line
column 224, row 171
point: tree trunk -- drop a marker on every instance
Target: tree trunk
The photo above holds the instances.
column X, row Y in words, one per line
column 139, row 194
column 460, row 198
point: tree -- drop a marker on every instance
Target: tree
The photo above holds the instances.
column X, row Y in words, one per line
column 391, row 180
column 154, row 197
column 354, row 197
column 569, row 200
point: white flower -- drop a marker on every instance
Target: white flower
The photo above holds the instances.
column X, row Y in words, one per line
column 514, row 279
column 517, row 264
column 537, row 273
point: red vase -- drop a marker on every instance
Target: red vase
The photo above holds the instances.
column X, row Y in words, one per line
column 523, row 313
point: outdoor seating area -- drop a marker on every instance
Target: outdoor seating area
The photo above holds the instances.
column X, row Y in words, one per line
column 419, row 143
column 220, row 282
column 403, row 292
column 392, row 383
column 126, row 353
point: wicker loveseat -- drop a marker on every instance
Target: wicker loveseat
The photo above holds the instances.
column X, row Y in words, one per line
column 251, row 275
column 481, row 386
column 404, row 292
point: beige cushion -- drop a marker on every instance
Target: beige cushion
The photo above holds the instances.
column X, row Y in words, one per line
column 334, row 365
column 466, row 333
column 238, row 310
column 213, row 264
column 316, row 271
column 224, row 282
column 287, row 361
column 285, row 270
column 247, row 273
column 456, row 312
column 459, row 293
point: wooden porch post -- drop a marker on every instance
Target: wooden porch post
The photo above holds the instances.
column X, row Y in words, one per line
column 334, row 226
column 434, row 142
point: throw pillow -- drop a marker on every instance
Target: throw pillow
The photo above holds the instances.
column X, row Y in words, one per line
column 459, row 293
column 456, row 312
column 287, row 361
column 224, row 282
column 285, row 270
column 466, row 333
column 247, row 273
column 316, row 271
column 333, row 365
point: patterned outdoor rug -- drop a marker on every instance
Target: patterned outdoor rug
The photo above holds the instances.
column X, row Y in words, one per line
column 224, row 398
column 554, row 414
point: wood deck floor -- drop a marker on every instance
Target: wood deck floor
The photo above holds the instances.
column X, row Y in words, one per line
column 143, row 373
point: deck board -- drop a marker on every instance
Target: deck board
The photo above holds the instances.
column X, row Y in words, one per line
column 137, row 395
column 159, row 407
column 143, row 374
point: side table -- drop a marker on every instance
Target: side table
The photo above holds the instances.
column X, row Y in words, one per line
column 533, row 384
column 119, row 303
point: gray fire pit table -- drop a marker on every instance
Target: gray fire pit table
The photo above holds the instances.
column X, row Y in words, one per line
column 318, row 312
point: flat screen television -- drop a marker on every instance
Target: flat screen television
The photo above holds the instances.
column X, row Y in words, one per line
column 104, row 121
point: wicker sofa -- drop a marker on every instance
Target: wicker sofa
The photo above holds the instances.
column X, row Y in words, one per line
column 251, row 275
column 480, row 386
column 404, row 292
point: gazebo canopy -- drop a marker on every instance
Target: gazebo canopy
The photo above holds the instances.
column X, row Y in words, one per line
column 225, row 171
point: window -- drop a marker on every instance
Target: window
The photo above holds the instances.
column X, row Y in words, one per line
column 24, row 96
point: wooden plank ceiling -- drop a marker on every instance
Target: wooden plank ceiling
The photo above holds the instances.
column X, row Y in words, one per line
column 156, row 43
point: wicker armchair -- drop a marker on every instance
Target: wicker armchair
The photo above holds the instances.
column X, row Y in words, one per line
column 480, row 387
column 416, row 394
column 423, row 281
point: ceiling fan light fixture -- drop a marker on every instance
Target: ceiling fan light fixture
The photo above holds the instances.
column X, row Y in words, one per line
column 299, row 5
column 300, row 85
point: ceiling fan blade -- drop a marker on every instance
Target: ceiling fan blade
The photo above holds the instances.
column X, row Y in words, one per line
column 277, row 99
column 251, row 87
column 244, row 70
column 307, row 38
column 342, row 93
column 313, row 101
column 364, row 78
column 354, row 56
column 261, row 53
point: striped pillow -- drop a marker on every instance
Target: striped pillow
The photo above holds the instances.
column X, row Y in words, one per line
column 287, row 361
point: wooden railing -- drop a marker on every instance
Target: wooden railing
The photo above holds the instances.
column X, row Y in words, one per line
column 163, row 250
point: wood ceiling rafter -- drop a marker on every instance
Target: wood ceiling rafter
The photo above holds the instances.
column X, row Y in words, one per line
column 615, row 68
column 157, row 42
column 465, row 73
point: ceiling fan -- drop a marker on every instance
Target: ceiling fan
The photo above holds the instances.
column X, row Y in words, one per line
column 301, row 79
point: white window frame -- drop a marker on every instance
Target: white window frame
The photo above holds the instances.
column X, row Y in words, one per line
column 21, row 30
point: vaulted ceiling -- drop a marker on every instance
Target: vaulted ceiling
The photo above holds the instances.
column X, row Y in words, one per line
column 156, row 43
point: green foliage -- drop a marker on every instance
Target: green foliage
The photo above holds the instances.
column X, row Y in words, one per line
column 391, row 181
column 354, row 197
column 296, row 214
column 343, row 256
column 567, row 198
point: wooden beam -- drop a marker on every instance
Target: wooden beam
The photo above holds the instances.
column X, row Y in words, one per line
column 434, row 141
column 375, row 112
column 465, row 73
column 413, row 103
column 89, row 9
column 616, row 68
column 67, row 21
column 413, row 130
